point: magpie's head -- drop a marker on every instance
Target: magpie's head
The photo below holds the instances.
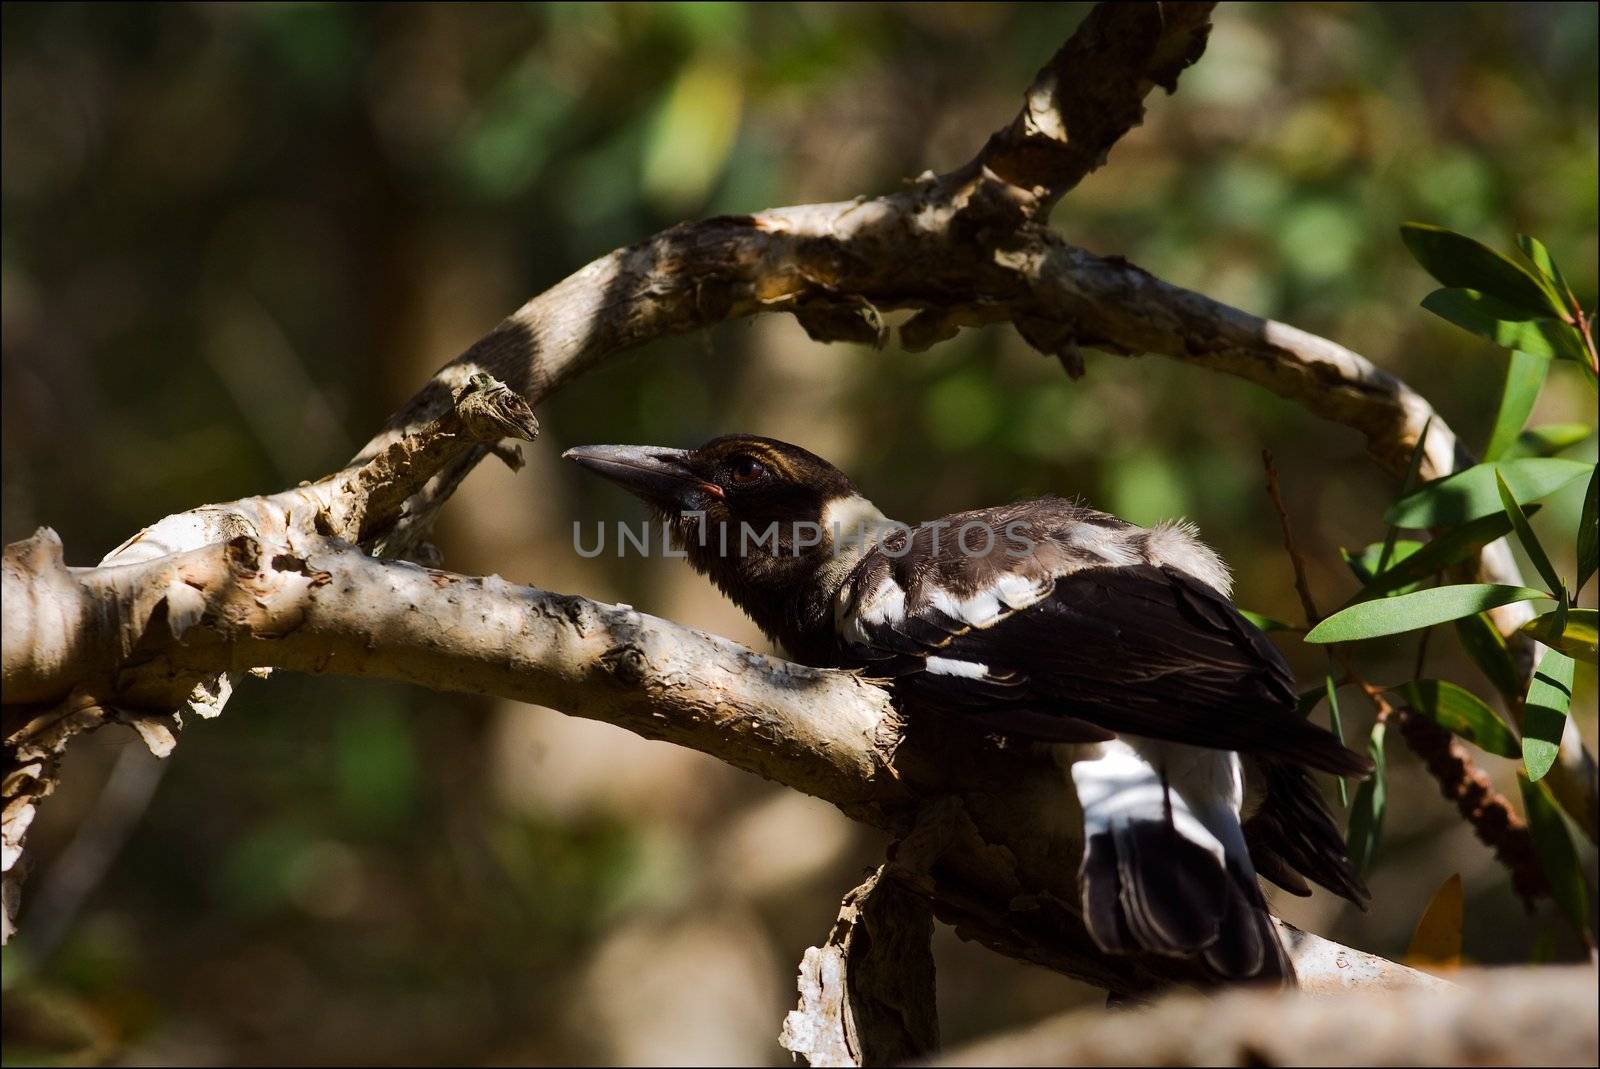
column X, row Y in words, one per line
column 761, row 517
column 737, row 480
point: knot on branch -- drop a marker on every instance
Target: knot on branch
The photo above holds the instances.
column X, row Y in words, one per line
column 490, row 410
column 243, row 556
column 625, row 663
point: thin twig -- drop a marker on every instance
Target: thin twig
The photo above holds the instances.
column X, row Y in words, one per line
column 1301, row 585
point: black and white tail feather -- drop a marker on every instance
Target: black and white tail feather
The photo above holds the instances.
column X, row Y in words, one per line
column 1166, row 869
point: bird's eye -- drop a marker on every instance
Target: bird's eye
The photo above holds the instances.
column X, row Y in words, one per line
column 746, row 470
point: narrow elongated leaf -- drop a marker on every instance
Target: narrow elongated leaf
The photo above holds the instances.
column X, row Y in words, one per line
column 1430, row 558
column 1468, row 494
column 1544, row 714
column 1266, row 623
column 1457, row 260
column 1548, row 440
column 1553, row 843
column 1365, row 564
column 1579, row 638
column 1588, row 533
column 1543, row 338
column 1482, row 642
column 1336, row 722
column 1525, row 535
column 1366, row 813
column 1413, row 467
column 1462, row 713
column 1436, row 940
column 1421, row 608
column 1525, row 376
column 1544, row 266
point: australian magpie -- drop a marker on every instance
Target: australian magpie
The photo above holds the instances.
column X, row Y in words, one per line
column 1044, row 620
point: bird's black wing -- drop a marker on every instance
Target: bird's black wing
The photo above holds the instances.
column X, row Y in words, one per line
column 1140, row 649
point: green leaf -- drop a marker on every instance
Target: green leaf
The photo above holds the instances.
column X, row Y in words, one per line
column 1525, row 535
column 1365, row 563
column 1588, row 533
column 1366, row 813
column 1545, row 266
column 1266, row 623
column 1457, row 260
column 1542, row 337
column 1430, row 558
column 1553, row 843
column 1524, row 377
column 1483, row 643
column 1336, row 722
column 1462, row 713
column 1468, row 494
column 1548, row 440
column 1544, row 714
column 1421, row 608
column 1579, row 638
column 1412, row 468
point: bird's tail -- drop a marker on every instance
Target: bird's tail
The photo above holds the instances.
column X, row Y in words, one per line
column 1293, row 836
column 1165, row 867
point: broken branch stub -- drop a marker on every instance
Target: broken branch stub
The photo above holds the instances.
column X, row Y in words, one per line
column 867, row 994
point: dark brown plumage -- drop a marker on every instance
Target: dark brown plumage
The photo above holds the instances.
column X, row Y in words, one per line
column 1046, row 621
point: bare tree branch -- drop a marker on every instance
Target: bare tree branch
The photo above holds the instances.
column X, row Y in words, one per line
column 1542, row 1016
column 1092, row 92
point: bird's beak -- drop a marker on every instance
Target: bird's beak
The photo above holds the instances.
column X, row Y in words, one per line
column 658, row 475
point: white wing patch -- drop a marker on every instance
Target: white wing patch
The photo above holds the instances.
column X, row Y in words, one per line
column 884, row 605
column 1017, row 592
column 1009, row 593
column 949, row 666
column 979, row 610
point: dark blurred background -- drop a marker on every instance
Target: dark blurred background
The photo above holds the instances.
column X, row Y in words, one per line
column 235, row 237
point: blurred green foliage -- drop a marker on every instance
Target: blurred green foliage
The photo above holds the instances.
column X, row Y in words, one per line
column 236, row 236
